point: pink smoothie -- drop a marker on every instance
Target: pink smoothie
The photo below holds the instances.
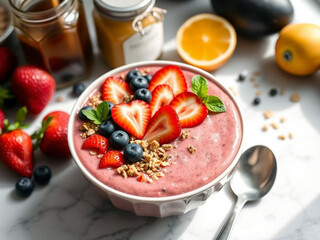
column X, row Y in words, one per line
column 217, row 141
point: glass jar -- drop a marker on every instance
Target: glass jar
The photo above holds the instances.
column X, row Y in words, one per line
column 54, row 35
column 128, row 30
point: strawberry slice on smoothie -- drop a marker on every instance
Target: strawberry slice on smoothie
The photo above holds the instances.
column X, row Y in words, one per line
column 133, row 117
column 115, row 90
column 190, row 109
column 172, row 76
column 164, row 126
column 161, row 96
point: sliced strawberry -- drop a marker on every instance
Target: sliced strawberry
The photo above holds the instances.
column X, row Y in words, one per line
column 161, row 95
column 133, row 117
column 97, row 143
column 171, row 75
column 164, row 126
column 112, row 159
column 115, row 90
column 190, row 109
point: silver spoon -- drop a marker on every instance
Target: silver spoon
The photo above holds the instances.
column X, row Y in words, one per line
column 252, row 179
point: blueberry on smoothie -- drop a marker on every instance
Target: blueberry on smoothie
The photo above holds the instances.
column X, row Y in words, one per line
column 143, row 94
column 110, row 105
column 132, row 152
column 139, row 82
column 119, row 139
column 148, row 77
column 106, row 128
column 82, row 116
column 132, row 74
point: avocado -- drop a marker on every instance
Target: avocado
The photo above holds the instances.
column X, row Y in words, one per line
column 255, row 18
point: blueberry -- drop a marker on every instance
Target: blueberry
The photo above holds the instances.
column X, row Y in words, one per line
column 119, row 139
column 132, row 152
column 241, row 77
column 106, row 128
column 78, row 88
column 110, row 105
column 143, row 94
column 256, row 101
column 273, row 92
column 42, row 175
column 24, row 187
column 82, row 116
column 148, row 77
column 132, row 74
column 139, row 82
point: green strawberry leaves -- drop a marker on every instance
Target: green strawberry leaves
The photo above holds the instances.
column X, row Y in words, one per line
column 200, row 87
column 100, row 115
column 19, row 121
column 5, row 93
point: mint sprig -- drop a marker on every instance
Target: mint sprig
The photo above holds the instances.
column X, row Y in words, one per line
column 200, row 87
column 100, row 115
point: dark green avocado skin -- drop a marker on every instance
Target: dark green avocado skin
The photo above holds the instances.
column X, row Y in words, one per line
column 255, row 18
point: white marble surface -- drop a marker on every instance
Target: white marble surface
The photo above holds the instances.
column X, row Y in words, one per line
column 68, row 208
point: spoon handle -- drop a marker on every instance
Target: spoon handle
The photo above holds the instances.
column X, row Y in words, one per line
column 228, row 225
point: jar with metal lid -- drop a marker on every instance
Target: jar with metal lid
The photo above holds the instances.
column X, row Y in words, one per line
column 53, row 35
column 128, row 30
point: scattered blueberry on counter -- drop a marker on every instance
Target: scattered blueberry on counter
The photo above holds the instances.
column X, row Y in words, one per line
column 256, row 101
column 78, row 89
column 42, row 175
column 24, row 187
column 241, row 77
column 273, row 92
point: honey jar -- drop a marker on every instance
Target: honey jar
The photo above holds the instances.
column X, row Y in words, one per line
column 53, row 35
column 128, row 30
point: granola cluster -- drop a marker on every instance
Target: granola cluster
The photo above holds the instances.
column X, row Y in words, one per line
column 150, row 167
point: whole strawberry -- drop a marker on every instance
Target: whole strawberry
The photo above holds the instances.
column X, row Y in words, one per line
column 2, row 117
column 7, row 62
column 52, row 137
column 33, row 87
column 16, row 146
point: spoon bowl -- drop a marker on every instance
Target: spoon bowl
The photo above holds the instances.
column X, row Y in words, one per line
column 252, row 179
column 255, row 173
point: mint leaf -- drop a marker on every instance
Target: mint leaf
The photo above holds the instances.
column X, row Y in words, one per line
column 199, row 86
column 102, row 111
column 21, row 115
column 214, row 104
column 92, row 115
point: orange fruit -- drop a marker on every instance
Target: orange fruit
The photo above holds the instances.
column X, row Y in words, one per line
column 298, row 49
column 206, row 41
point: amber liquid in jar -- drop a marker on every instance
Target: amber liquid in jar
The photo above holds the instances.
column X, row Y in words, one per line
column 60, row 45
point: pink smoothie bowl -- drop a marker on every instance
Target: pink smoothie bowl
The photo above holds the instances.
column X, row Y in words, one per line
column 146, row 205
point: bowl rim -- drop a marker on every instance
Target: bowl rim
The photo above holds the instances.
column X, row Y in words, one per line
column 158, row 63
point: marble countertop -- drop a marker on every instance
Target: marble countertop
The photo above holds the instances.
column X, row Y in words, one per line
column 68, row 208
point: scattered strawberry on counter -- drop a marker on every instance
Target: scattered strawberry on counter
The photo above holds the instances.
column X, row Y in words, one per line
column 33, row 87
column 52, row 137
column 16, row 145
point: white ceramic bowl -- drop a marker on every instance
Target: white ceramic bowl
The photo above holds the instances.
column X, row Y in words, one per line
column 150, row 206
